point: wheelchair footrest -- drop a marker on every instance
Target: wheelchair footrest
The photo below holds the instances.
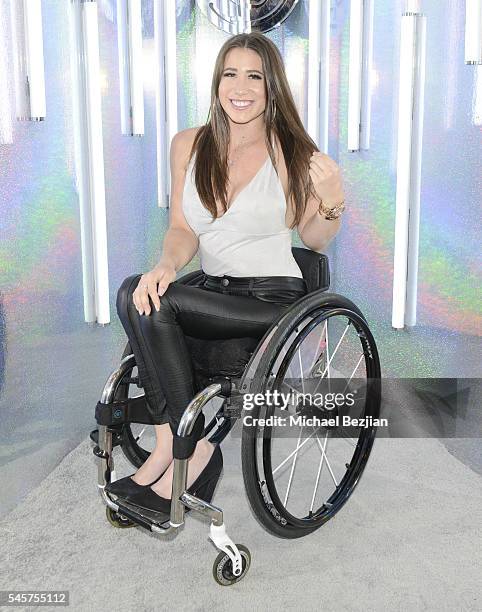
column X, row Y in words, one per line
column 141, row 516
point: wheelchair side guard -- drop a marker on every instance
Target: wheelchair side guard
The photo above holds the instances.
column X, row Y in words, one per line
column 314, row 267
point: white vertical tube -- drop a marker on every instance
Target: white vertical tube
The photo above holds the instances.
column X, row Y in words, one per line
column 6, row 128
column 410, row 121
column 412, row 6
column 35, row 58
column 96, row 160
column 473, row 31
column 246, row 16
column 123, row 55
column 80, row 129
column 161, row 111
column 170, row 32
column 451, row 36
column 17, row 23
column 28, row 59
column 416, row 172
column 355, row 74
column 319, row 72
column 131, row 85
column 405, row 97
column 314, row 44
column 136, row 72
column 366, row 79
column 324, row 76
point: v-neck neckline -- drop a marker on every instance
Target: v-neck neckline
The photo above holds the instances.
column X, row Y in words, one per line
column 245, row 187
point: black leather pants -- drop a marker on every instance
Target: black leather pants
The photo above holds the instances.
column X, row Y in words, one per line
column 215, row 308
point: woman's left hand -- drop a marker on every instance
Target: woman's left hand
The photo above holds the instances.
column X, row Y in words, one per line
column 326, row 177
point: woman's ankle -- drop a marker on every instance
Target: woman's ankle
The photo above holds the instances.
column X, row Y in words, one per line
column 162, row 452
column 204, row 446
column 155, row 465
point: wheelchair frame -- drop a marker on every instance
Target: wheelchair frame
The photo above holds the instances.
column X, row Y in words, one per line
column 107, row 408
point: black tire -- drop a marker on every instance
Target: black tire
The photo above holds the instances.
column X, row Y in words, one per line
column 133, row 451
column 223, row 566
column 262, row 495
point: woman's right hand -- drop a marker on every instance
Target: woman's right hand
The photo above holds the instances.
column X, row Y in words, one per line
column 163, row 275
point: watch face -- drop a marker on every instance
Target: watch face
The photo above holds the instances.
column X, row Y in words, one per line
column 235, row 16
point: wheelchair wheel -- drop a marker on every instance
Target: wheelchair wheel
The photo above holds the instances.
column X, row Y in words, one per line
column 297, row 473
column 223, row 567
column 117, row 520
column 137, row 440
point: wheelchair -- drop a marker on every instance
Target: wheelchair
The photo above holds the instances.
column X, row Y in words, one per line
column 321, row 339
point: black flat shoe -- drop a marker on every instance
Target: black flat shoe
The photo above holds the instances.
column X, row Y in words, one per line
column 203, row 487
column 125, row 487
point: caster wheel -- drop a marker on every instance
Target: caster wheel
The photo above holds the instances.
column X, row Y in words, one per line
column 117, row 520
column 223, row 567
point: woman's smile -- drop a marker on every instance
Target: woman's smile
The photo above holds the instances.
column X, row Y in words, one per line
column 241, row 104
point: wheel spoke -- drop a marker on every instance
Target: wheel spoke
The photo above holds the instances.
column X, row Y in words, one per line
column 332, row 356
column 141, row 434
column 302, row 376
column 292, row 469
column 326, row 458
column 319, row 473
column 336, row 350
column 353, row 373
column 346, row 437
column 328, row 350
column 295, row 451
column 322, row 339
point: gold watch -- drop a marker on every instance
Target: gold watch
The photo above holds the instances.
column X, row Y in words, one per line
column 331, row 213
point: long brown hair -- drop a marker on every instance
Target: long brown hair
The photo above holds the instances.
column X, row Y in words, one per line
column 281, row 117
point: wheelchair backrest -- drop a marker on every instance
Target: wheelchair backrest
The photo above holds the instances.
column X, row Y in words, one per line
column 314, row 267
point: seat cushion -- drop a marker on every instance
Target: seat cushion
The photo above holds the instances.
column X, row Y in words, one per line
column 219, row 357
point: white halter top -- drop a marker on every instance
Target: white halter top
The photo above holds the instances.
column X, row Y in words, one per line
column 251, row 238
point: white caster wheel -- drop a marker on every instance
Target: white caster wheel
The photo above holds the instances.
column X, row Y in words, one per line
column 223, row 567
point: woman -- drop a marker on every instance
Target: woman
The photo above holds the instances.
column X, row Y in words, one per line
column 240, row 184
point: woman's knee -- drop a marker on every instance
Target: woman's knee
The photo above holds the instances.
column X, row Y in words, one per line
column 128, row 313
column 124, row 301
column 166, row 311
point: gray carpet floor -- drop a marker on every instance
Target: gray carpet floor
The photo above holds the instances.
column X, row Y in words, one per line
column 408, row 539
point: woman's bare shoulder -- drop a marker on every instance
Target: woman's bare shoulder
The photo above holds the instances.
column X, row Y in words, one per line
column 181, row 146
column 182, row 143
